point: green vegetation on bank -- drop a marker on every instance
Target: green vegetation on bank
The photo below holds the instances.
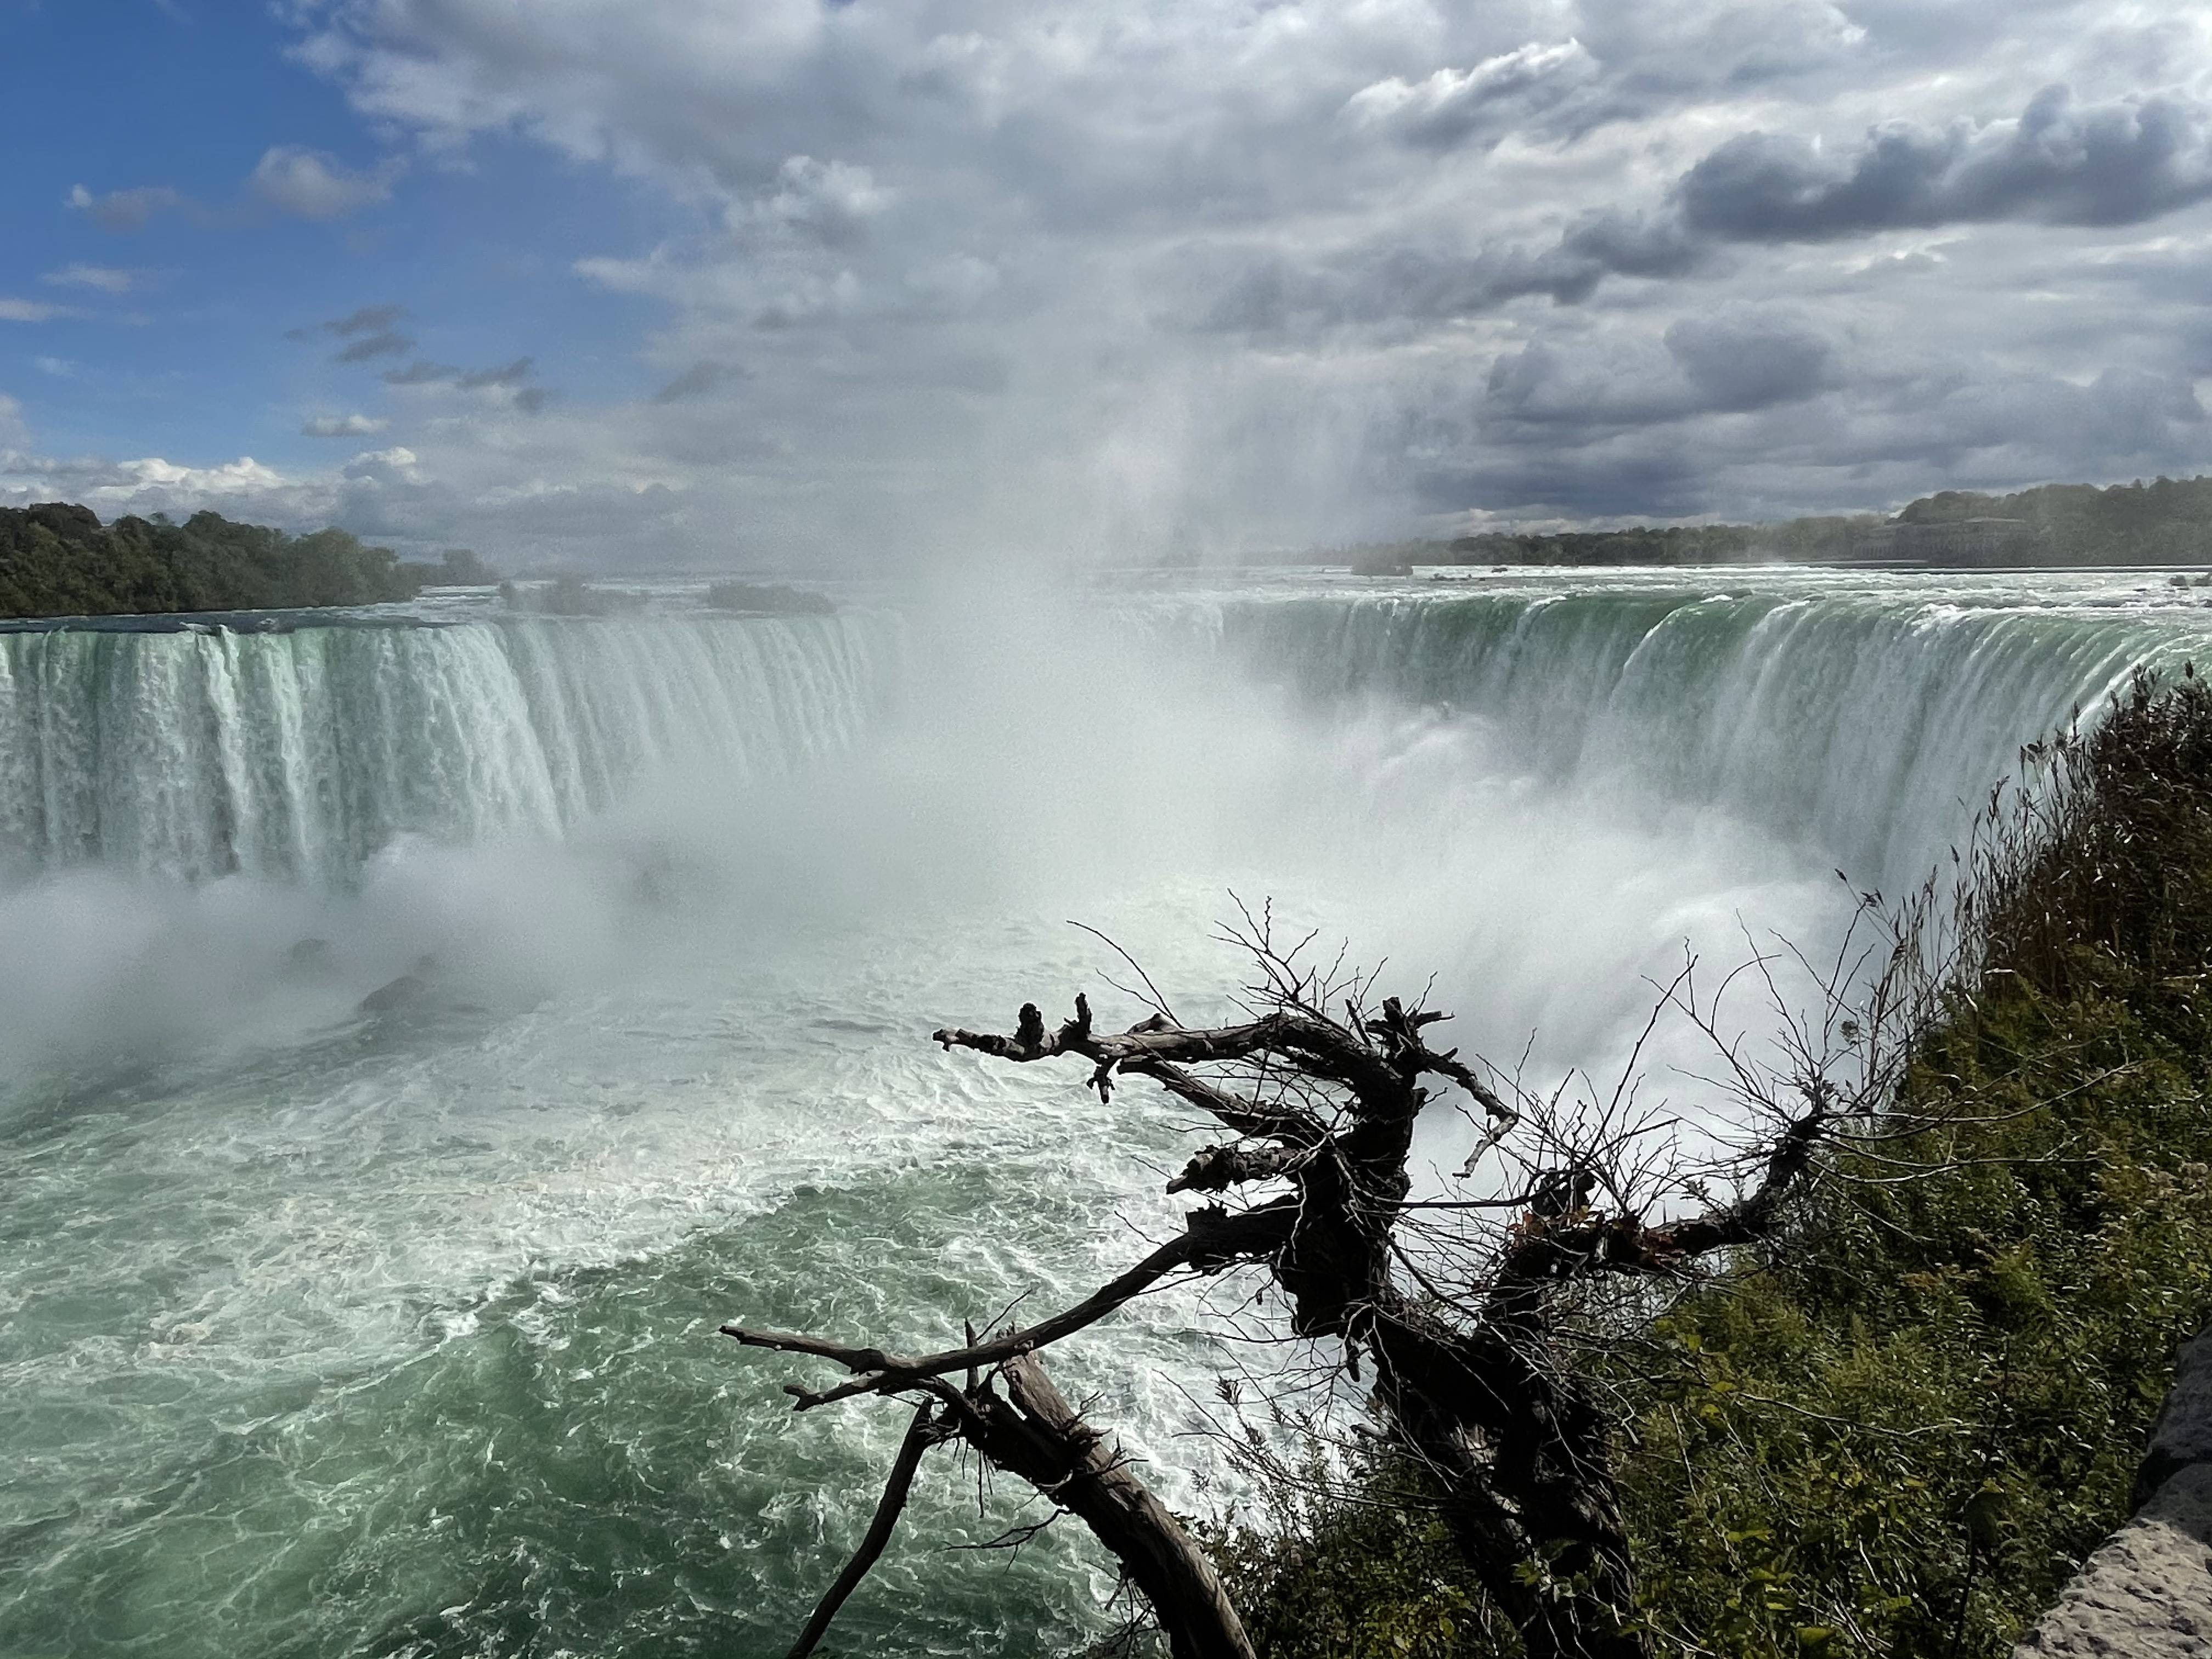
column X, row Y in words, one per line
column 1864, row 536
column 772, row 599
column 1896, row 1430
column 2165, row 521
column 57, row 560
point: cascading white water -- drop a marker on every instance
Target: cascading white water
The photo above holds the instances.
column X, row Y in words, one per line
column 1858, row 712
column 1821, row 709
column 204, row 752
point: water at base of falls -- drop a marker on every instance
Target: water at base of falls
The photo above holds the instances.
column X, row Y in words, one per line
column 327, row 1332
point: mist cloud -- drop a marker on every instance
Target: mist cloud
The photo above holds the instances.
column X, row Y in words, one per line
column 31, row 311
column 368, row 319
column 420, row 372
column 507, row 374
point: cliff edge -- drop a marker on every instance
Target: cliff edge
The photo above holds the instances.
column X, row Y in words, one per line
column 2146, row 1592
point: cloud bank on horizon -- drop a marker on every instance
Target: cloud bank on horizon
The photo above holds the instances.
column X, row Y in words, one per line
column 676, row 281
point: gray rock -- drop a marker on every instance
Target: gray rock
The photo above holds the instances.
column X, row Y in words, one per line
column 2146, row 1593
column 2183, row 1434
column 411, row 990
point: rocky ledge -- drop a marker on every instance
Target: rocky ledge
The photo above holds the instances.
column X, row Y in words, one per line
column 2146, row 1593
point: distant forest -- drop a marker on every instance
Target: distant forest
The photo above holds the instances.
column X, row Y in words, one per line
column 2163, row 522
column 57, row 560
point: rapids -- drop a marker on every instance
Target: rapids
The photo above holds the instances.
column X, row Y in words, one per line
column 325, row 1332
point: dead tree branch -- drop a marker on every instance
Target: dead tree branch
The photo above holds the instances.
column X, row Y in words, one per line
column 1478, row 1377
column 1213, row 1239
column 920, row 1435
column 1032, row 1432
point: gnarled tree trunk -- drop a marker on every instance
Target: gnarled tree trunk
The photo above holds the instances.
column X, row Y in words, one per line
column 1472, row 1380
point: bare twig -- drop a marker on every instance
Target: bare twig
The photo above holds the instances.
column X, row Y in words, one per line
column 921, row 1434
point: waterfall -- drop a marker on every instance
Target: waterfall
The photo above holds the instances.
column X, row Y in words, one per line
column 1860, row 715
column 1867, row 721
column 202, row 752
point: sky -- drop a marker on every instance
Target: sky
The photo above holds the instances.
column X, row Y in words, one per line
column 659, row 284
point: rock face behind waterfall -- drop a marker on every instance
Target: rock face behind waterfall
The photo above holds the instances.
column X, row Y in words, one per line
column 2146, row 1593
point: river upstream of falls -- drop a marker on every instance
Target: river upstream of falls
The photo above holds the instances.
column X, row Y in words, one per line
column 331, row 1331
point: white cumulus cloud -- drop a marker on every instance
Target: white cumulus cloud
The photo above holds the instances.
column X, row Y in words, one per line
column 314, row 185
column 1497, row 96
column 395, row 464
column 243, row 476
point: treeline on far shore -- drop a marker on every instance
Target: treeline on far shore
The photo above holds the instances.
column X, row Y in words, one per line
column 2165, row 521
column 58, row 560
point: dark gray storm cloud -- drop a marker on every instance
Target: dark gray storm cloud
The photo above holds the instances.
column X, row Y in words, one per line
column 1388, row 280
column 1397, row 283
column 2118, row 162
column 1742, row 362
column 1626, row 244
column 1657, row 477
column 1731, row 362
column 2124, row 161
